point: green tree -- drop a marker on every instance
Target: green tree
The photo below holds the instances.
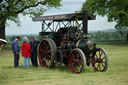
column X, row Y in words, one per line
column 10, row 9
column 115, row 10
column 12, row 38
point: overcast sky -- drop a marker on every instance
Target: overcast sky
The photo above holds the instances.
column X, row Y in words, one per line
column 68, row 6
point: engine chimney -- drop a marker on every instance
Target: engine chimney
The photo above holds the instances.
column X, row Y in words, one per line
column 85, row 23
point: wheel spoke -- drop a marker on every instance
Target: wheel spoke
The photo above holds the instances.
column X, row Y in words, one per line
column 103, row 58
column 96, row 56
column 48, row 60
column 73, row 55
column 78, row 68
column 77, row 56
column 99, row 66
column 103, row 65
column 45, row 51
column 100, row 54
column 73, row 58
column 80, row 63
column 103, row 62
column 43, row 59
column 48, row 57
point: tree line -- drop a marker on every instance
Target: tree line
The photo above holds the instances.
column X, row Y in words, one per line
column 108, row 36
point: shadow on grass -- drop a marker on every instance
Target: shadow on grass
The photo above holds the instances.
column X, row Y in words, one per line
column 65, row 68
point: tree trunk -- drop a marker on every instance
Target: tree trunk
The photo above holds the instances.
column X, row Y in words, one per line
column 2, row 31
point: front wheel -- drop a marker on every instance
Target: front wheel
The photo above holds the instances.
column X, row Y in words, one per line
column 100, row 60
column 77, row 61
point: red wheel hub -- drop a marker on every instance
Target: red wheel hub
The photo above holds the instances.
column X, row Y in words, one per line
column 99, row 60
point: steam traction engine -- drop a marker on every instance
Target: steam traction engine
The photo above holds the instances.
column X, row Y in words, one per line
column 65, row 41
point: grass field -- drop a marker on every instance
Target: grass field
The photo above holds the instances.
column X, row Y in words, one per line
column 117, row 73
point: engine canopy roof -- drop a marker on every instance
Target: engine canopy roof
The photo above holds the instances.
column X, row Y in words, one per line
column 64, row 17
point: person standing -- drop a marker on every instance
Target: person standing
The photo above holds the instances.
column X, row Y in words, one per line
column 26, row 52
column 34, row 45
column 16, row 50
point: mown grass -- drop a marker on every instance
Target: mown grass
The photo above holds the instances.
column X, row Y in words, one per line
column 117, row 73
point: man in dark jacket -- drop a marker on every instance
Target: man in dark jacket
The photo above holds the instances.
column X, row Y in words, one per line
column 33, row 45
column 15, row 49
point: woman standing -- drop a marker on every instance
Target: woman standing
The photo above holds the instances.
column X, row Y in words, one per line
column 26, row 52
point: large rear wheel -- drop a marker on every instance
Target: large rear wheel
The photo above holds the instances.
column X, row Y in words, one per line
column 47, row 53
column 77, row 61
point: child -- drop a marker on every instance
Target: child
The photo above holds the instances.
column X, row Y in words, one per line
column 26, row 52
